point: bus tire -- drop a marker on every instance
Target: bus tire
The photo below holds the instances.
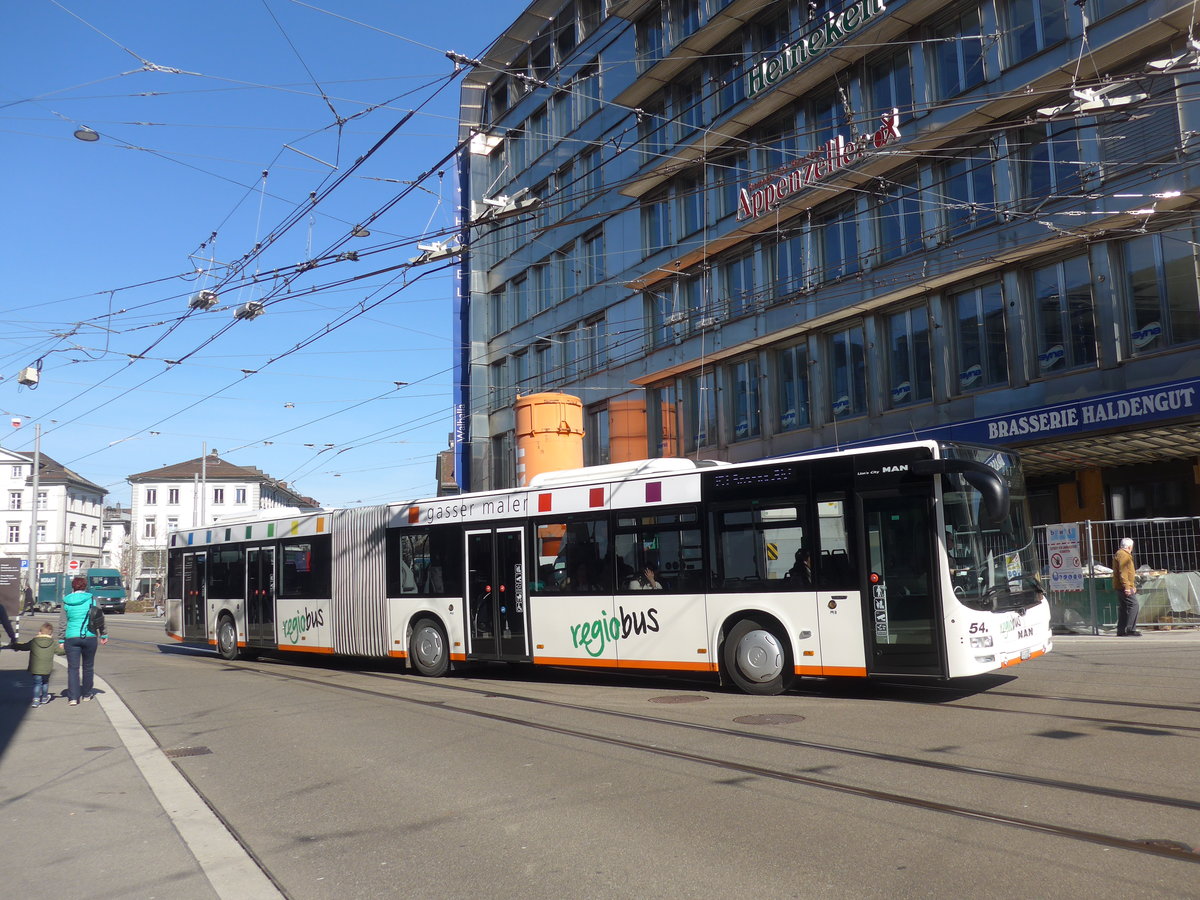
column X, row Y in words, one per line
column 756, row 659
column 227, row 647
column 428, row 650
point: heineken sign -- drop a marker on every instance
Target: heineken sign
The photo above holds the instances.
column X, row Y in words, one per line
column 835, row 29
column 764, row 195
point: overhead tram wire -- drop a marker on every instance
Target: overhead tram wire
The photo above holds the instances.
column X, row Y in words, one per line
column 311, row 339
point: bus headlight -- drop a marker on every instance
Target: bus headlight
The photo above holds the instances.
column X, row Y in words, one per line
column 981, row 640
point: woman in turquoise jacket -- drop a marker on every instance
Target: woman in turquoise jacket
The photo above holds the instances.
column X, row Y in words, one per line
column 79, row 641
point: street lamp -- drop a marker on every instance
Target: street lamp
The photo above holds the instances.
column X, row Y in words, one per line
column 85, row 134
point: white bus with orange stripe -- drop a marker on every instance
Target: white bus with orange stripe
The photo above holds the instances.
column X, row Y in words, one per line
column 912, row 559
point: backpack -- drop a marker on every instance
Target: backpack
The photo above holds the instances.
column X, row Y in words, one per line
column 94, row 619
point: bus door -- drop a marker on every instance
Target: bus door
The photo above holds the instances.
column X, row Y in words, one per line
column 195, row 596
column 496, row 608
column 902, row 610
column 260, row 595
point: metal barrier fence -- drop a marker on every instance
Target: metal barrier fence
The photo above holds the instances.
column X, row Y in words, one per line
column 1166, row 554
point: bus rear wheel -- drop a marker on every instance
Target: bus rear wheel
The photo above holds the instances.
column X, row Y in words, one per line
column 227, row 647
column 756, row 659
column 427, row 648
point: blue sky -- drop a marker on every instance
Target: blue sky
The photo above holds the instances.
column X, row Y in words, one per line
column 103, row 243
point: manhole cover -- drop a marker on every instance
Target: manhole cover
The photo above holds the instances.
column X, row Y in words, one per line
column 769, row 719
column 186, row 751
column 679, row 698
column 97, row 749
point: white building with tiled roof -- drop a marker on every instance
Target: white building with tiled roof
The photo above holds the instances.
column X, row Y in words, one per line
column 69, row 510
column 197, row 492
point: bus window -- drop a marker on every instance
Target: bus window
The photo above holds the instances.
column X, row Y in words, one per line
column 573, row 557
column 226, row 573
column 304, row 574
column 425, row 562
column 757, row 548
column 668, row 544
column 835, row 566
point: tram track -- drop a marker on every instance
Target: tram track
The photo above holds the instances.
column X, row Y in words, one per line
column 1160, row 848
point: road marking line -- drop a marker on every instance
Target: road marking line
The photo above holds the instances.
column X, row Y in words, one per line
column 230, row 870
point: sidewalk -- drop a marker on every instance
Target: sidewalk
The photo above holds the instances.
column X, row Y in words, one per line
column 91, row 807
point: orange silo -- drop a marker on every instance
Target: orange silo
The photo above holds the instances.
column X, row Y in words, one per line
column 627, row 430
column 549, row 434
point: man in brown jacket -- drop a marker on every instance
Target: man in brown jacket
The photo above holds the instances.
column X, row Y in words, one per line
column 1126, row 588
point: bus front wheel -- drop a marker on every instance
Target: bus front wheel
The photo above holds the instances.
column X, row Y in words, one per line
column 756, row 659
column 427, row 648
column 227, row 646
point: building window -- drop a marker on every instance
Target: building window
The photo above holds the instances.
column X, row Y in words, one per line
column 662, row 414
column 890, row 83
column 737, row 283
column 1160, row 289
column 792, row 399
column 239, row 495
column 218, row 496
column 897, row 213
column 496, row 311
column 587, row 93
column 683, row 18
column 41, row 532
column 172, row 523
column 563, row 269
column 14, row 499
column 729, row 74
column 1031, row 26
column 958, row 54
column 652, row 132
column 539, row 290
column 649, row 40
column 689, row 195
column 848, row 373
column 42, row 500
column 149, row 528
column 151, row 496
column 687, row 103
column 981, row 338
column 14, row 533
column 729, row 175
column 593, row 175
column 593, row 257
column 746, row 416
column 910, row 366
column 839, row 244
column 1049, row 161
column 968, row 190
column 701, row 407
column 539, row 137
column 16, row 471
column 504, row 461
column 1063, row 311
column 826, row 120
column 597, row 437
column 656, row 226
column 561, row 119
column 787, row 263
column 594, row 344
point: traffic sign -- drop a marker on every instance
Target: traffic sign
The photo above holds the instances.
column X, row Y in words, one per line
column 73, row 565
column 24, row 564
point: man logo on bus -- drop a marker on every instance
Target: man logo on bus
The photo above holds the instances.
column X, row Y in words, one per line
column 594, row 635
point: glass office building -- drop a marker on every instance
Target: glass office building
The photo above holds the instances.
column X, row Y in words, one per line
column 737, row 229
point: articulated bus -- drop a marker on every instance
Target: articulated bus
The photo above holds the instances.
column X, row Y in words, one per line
column 912, row 559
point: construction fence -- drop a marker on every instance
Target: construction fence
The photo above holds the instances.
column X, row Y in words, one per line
column 1166, row 554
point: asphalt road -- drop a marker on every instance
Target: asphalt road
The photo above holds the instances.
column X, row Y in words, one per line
column 1073, row 776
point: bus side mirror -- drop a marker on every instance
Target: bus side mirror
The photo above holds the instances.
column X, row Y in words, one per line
column 991, row 486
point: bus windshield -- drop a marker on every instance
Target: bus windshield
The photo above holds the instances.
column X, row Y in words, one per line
column 993, row 565
column 104, row 581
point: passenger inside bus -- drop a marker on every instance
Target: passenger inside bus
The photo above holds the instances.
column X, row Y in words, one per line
column 647, row 581
column 800, row 575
